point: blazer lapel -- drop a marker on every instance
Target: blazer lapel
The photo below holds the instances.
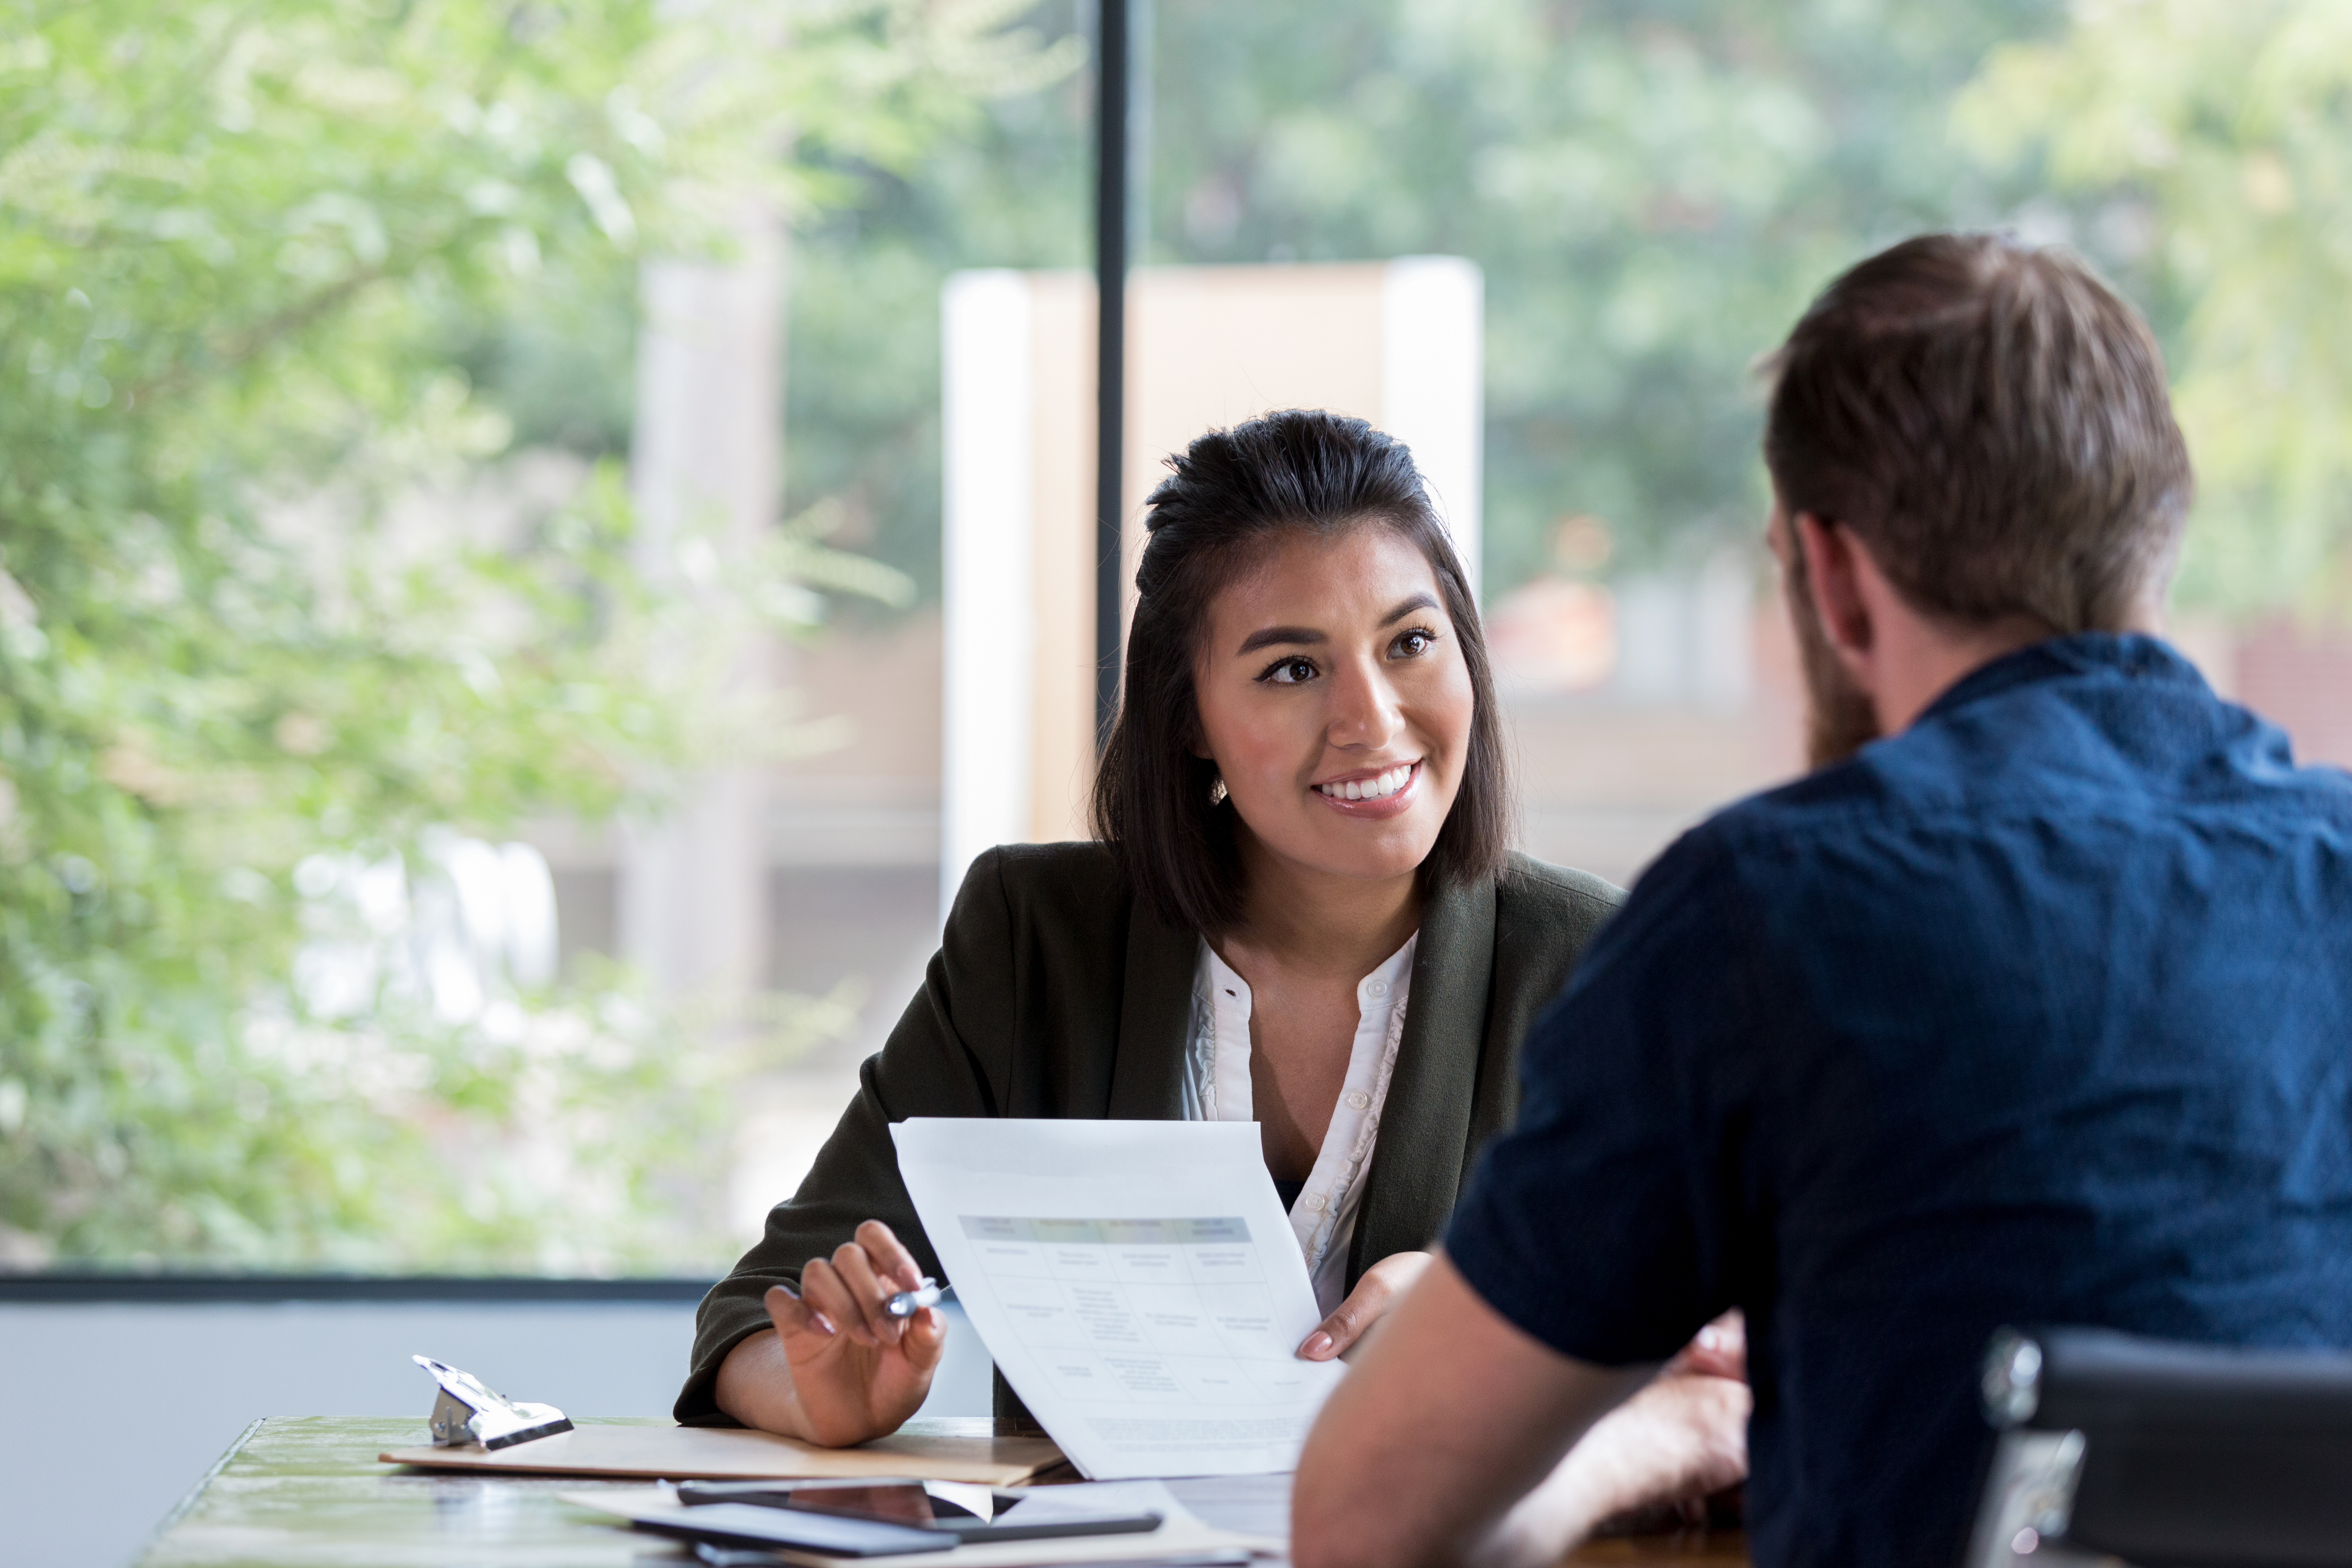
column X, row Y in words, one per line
column 1424, row 1133
column 1155, row 1018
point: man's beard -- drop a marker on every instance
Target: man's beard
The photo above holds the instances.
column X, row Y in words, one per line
column 1838, row 719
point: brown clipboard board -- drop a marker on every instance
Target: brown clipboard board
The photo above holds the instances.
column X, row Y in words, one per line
column 938, row 1450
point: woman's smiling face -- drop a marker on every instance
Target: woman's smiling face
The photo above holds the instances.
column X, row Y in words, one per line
column 1335, row 700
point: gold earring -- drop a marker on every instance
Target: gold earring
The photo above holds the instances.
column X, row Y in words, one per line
column 1217, row 791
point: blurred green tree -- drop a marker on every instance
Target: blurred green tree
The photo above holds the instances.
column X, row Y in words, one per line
column 253, row 643
column 2216, row 138
column 1012, row 189
column 1653, row 188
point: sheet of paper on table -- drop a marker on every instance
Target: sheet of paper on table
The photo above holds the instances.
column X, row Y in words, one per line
column 1136, row 1283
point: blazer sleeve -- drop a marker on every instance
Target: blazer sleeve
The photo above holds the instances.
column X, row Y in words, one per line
column 947, row 1055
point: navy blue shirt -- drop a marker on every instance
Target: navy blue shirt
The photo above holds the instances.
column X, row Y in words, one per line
column 2039, row 1011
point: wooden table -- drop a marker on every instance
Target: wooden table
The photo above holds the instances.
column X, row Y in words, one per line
column 307, row 1492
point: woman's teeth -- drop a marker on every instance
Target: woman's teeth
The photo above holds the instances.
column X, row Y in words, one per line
column 1386, row 784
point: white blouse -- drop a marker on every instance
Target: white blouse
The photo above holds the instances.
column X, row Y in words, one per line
column 1217, row 1088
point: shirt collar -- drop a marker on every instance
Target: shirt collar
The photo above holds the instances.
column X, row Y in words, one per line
column 1381, row 992
column 2133, row 655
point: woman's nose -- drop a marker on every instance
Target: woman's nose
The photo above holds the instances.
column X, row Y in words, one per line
column 1364, row 709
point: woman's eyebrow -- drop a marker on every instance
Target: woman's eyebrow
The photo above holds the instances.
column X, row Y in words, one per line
column 1265, row 636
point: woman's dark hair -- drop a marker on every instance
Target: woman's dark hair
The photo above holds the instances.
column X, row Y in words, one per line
column 1233, row 494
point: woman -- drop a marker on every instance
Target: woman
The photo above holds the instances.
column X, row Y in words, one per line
column 1302, row 912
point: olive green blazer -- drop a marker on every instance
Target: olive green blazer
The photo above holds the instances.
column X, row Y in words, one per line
column 1055, row 992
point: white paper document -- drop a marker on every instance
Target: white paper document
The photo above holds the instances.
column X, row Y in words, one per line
column 1136, row 1283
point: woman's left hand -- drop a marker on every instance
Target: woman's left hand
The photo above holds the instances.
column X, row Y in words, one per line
column 1382, row 1286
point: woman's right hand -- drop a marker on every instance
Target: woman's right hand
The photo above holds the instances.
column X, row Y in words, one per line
column 839, row 1369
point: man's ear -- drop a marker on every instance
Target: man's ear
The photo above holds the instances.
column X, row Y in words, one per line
column 1833, row 580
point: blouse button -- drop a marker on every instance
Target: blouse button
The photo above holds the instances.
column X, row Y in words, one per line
column 1316, row 1200
column 1378, row 987
column 1357, row 1099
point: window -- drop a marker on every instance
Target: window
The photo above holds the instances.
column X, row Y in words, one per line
column 472, row 604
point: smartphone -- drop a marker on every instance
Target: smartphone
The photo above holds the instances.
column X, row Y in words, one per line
column 903, row 1503
column 836, row 1535
column 891, row 1501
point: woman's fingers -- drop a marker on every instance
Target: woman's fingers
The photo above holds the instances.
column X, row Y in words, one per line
column 847, row 1294
column 1333, row 1334
column 843, row 1395
column 1374, row 1294
column 926, row 1338
column 793, row 1316
column 853, row 1287
column 823, row 1288
column 889, row 1256
column 869, row 1290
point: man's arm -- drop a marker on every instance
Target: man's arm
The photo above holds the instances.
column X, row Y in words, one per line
column 1451, row 1416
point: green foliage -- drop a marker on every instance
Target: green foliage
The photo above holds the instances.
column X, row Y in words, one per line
column 2219, row 135
column 250, row 621
column 1653, row 188
column 862, row 423
column 285, row 285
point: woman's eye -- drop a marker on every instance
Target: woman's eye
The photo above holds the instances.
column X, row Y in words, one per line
column 1415, row 643
column 1289, row 671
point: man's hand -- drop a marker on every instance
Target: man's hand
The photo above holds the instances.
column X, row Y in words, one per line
column 1681, row 1438
column 1451, row 1415
column 1721, row 1349
column 839, row 1369
column 1377, row 1290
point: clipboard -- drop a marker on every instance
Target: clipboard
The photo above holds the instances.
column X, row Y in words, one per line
column 951, row 1449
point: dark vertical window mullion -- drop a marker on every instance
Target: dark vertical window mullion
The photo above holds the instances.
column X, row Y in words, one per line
column 1115, row 190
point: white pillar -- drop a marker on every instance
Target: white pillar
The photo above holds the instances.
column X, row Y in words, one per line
column 706, row 463
column 1433, row 385
column 987, row 531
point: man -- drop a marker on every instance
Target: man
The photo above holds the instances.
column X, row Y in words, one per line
column 2037, row 1009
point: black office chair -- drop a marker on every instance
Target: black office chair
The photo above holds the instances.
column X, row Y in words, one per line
column 2163, row 1455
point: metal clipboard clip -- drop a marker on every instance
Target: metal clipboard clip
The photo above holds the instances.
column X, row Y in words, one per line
column 466, row 1413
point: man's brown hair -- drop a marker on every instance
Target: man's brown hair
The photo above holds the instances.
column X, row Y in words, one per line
column 1992, row 422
